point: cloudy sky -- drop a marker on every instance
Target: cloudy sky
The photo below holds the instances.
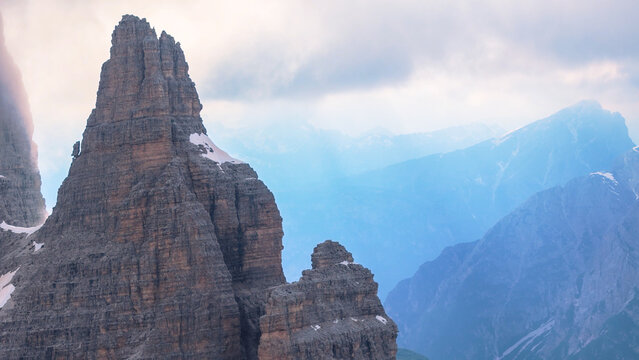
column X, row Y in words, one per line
column 401, row 65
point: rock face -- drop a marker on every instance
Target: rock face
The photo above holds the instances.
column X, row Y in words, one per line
column 555, row 279
column 332, row 312
column 161, row 245
column 21, row 203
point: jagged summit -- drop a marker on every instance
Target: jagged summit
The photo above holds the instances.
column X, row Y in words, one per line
column 165, row 248
column 587, row 103
column 332, row 312
column 161, row 245
column 330, row 253
column 585, row 118
column 153, row 69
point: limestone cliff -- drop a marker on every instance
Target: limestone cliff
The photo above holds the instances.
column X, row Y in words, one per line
column 158, row 242
column 21, row 203
column 161, row 245
column 332, row 312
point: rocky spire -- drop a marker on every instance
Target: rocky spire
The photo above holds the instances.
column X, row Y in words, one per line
column 21, row 203
column 161, row 245
column 330, row 253
column 144, row 77
column 332, row 312
column 158, row 244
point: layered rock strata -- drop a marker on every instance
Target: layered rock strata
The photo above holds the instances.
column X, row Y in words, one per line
column 161, row 245
column 332, row 312
column 156, row 247
column 21, row 203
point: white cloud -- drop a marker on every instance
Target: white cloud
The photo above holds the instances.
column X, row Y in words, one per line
column 402, row 65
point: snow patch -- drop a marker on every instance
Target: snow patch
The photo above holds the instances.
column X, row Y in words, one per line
column 506, row 136
column 2, row 176
column 37, row 246
column 354, row 319
column 529, row 338
column 316, row 327
column 19, row 230
column 5, row 294
column 6, row 278
column 346, row 263
column 5, row 287
column 212, row 152
column 607, row 175
column 381, row 319
column 335, row 321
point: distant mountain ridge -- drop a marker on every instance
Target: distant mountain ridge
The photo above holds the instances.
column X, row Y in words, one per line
column 555, row 279
column 410, row 211
column 295, row 154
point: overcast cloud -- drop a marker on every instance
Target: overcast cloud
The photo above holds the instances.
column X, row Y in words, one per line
column 403, row 66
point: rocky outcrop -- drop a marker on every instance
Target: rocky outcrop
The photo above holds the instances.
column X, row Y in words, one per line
column 332, row 312
column 161, row 245
column 21, row 203
column 555, row 279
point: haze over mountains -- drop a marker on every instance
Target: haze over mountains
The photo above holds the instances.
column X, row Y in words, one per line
column 408, row 212
column 555, row 279
column 163, row 245
column 295, row 154
column 22, row 203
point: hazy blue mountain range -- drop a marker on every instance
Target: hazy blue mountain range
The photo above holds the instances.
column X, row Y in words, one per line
column 293, row 154
column 294, row 158
column 555, row 279
column 397, row 217
column 405, row 354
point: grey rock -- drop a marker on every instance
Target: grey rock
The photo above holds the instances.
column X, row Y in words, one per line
column 329, row 253
column 21, row 203
column 160, row 245
column 332, row 312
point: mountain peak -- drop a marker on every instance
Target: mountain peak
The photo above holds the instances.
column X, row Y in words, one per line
column 583, row 121
column 587, row 104
column 144, row 76
column 157, row 229
column 130, row 30
column 330, row 253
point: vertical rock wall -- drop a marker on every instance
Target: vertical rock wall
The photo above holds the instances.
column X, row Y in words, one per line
column 332, row 312
column 160, row 245
column 21, row 203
